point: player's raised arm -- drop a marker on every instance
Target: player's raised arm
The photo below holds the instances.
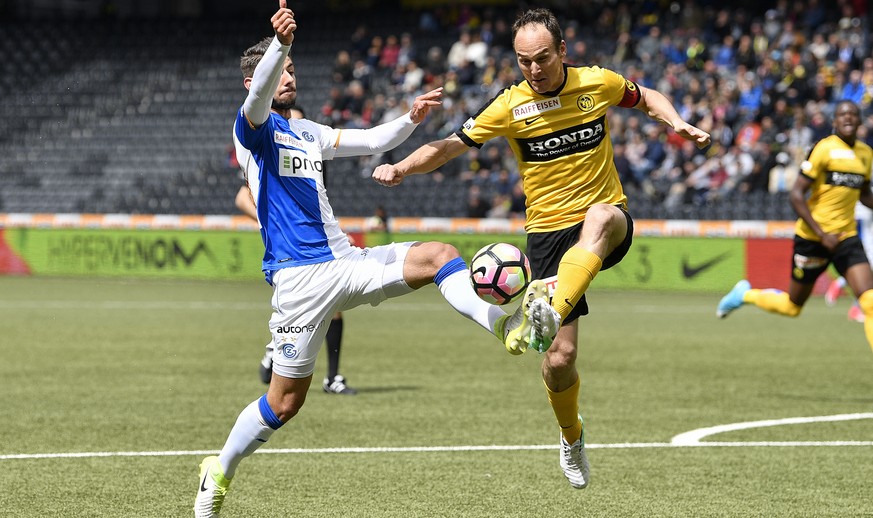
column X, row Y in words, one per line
column 267, row 75
column 384, row 137
column 423, row 160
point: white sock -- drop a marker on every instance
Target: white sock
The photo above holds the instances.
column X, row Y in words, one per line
column 248, row 434
column 459, row 293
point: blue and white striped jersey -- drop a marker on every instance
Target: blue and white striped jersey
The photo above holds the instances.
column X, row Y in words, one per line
column 284, row 165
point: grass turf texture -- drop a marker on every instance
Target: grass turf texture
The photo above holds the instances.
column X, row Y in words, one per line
column 148, row 366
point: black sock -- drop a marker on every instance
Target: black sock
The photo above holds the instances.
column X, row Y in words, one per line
column 334, row 341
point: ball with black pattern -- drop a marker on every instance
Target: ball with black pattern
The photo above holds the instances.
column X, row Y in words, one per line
column 499, row 273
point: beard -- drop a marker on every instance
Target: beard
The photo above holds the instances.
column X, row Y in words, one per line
column 284, row 104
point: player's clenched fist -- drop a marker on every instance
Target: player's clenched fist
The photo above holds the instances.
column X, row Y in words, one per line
column 387, row 175
column 284, row 24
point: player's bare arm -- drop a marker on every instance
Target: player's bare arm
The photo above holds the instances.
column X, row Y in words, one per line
column 246, row 203
column 866, row 198
column 654, row 104
column 797, row 197
column 423, row 160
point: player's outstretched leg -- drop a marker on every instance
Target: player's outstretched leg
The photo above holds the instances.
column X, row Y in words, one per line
column 733, row 300
column 574, row 462
column 517, row 328
column 213, row 487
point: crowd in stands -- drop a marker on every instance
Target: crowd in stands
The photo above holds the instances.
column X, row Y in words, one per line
column 764, row 83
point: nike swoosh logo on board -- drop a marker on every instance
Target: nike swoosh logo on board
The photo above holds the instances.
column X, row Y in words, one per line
column 689, row 272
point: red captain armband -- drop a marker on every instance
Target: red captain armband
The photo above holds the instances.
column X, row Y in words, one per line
column 631, row 96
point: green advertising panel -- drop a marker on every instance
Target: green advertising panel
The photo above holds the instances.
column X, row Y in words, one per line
column 657, row 263
column 139, row 253
column 679, row 263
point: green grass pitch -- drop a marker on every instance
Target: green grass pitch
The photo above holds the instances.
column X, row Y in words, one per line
column 160, row 370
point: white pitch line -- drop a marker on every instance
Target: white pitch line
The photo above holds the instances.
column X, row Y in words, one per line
column 131, row 305
column 693, row 437
column 428, row 449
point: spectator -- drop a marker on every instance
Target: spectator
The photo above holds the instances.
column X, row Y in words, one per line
column 477, row 207
column 407, row 51
column 782, row 174
column 374, row 52
column 342, row 68
column 390, row 53
column 457, row 55
column 360, row 42
column 435, row 63
column 477, row 50
column 362, row 73
column 413, row 77
column 819, row 47
column 854, row 89
column 517, row 204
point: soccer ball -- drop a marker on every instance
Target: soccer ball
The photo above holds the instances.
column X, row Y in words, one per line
column 499, row 273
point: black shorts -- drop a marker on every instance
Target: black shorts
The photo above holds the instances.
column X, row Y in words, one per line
column 545, row 249
column 810, row 258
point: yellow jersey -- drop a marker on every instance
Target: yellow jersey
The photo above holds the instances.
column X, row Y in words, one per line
column 838, row 172
column 561, row 141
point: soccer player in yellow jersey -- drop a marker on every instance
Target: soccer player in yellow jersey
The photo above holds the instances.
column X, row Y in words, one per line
column 835, row 177
column 577, row 219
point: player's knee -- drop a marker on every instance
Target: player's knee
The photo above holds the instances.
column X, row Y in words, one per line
column 604, row 220
column 441, row 253
column 601, row 214
column 561, row 355
column 866, row 303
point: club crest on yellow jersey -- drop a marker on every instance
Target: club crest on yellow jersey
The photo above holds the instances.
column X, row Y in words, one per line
column 585, row 102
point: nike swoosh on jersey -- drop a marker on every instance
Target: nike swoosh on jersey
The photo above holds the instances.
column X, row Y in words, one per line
column 528, row 122
column 689, row 272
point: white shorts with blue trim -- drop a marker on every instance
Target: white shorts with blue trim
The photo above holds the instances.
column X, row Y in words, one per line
column 305, row 298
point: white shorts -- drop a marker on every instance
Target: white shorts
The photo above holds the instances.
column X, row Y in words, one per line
column 305, row 299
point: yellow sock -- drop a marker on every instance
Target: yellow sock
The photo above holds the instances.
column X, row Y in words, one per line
column 575, row 273
column 866, row 303
column 565, row 404
column 774, row 301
